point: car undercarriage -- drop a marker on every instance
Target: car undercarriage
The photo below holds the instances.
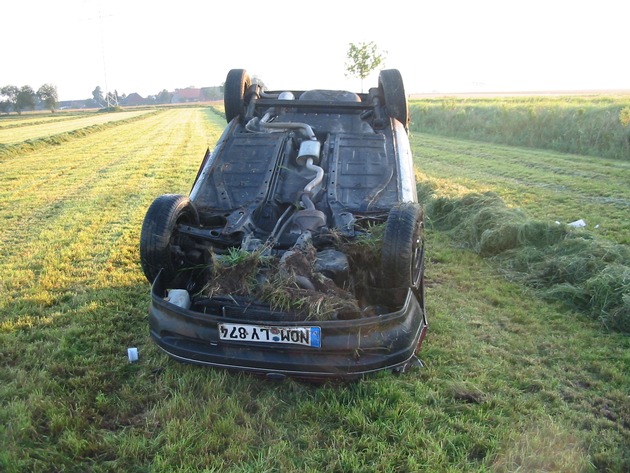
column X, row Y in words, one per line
column 300, row 249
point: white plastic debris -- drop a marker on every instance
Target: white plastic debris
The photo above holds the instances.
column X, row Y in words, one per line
column 577, row 224
column 132, row 353
column 179, row 297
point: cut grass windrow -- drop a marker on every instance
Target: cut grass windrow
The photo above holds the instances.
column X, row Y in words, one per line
column 62, row 203
column 573, row 266
column 514, row 204
column 8, row 150
column 547, row 186
column 7, row 122
column 45, row 130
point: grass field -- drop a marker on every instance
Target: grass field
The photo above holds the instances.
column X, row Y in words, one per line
column 511, row 383
column 589, row 125
column 58, row 125
column 14, row 121
column 546, row 185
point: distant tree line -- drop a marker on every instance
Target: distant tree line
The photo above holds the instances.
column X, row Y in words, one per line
column 19, row 99
column 99, row 99
column 362, row 59
column 16, row 99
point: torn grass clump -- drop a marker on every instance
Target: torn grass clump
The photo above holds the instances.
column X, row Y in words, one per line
column 292, row 283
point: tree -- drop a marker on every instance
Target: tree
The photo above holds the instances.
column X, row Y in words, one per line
column 212, row 93
column 47, row 93
column 25, row 99
column 164, row 97
column 363, row 58
column 10, row 92
column 97, row 95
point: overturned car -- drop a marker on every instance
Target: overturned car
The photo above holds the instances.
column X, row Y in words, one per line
column 300, row 249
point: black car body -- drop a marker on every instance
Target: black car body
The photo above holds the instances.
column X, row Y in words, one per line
column 297, row 176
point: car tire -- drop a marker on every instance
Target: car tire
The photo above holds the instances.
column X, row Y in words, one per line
column 236, row 85
column 159, row 245
column 402, row 252
column 392, row 89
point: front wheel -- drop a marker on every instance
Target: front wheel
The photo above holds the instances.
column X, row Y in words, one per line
column 160, row 245
column 402, row 253
column 236, row 85
column 392, row 88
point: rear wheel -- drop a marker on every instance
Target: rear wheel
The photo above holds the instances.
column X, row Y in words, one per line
column 402, row 253
column 236, row 85
column 161, row 247
column 392, row 88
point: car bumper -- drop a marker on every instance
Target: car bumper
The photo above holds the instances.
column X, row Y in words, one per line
column 349, row 348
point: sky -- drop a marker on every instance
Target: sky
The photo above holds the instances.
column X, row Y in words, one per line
column 439, row 46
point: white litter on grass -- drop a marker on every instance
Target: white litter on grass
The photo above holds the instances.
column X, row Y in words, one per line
column 179, row 297
column 132, row 353
column 577, row 224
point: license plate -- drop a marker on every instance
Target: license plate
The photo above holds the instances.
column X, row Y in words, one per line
column 306, row 336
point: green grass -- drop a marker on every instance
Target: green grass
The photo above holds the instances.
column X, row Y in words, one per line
column 547, row 186
column 514, row 204
column 14, row 121
column 32, row 131
column 595, row 125
column 585, row 272
column 511, row 383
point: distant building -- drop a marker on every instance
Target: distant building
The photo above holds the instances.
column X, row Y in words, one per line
column 189, row 94
column 133, row 99
column 76, row 104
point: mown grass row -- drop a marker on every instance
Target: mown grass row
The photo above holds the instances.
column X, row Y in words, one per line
column 61, row 198
column 218, row 109
column 597, row 126
column 104, row 122
column 547, row 186
column 510, row 383
column 15, row 121
column 513, row 205
column 47, row 130
column 572, row 266
column 72, row 295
